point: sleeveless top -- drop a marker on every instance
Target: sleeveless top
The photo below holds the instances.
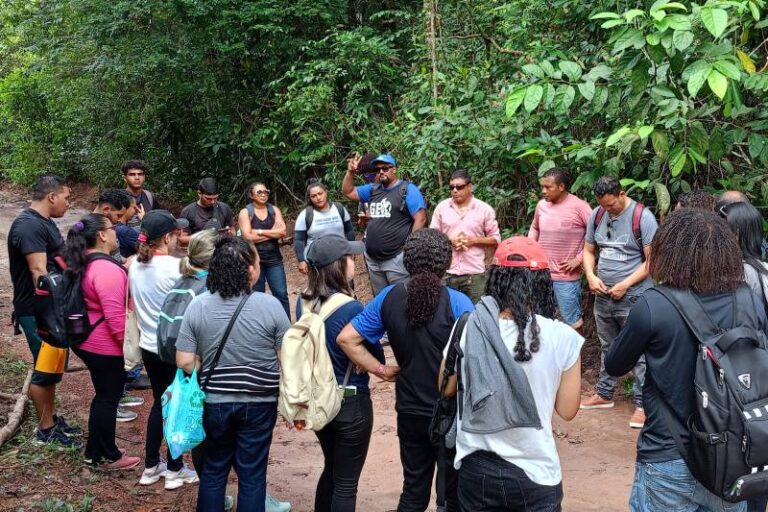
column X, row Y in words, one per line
column 269, row 250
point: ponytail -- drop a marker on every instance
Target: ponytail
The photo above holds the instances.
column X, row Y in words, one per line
column 199, row 253
column 81, row 237
column 144, row 248
column 426, row 256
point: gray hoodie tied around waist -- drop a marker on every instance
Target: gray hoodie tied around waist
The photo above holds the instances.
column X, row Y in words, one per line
column 497, row 395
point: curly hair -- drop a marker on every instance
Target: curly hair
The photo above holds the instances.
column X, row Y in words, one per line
column 513, row 290
column 427, row 256
column 696, row 250
column 543, row 301
column 697, row 199
column 228, row 271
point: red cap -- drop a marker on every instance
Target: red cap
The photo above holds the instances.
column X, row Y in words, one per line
column 527, row 248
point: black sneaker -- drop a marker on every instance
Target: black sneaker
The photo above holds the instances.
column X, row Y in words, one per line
column 55, row 437
column 67, row 429
column 140, row 382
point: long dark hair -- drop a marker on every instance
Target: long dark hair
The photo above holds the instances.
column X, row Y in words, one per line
column 228, row 271
column 82, row 236
column 524, row 293
column 325, row 281
column 696, row 250
column 747, row 223
column 427, row 256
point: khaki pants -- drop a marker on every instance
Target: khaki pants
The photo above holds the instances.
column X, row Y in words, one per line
column 472, row 285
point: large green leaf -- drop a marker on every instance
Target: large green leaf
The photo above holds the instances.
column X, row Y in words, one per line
column 718, row 83
column 697, row 74
column 564, row 98
column 605, row 15
column 682, row 39
column 660, row 141
column 677, row 161
column 533, row 97
column 757, row 144
column 617, row 136
column 515, row 99
column 571, row 69
column 587, row 89
column 534, row 69
column 728, row 69
column 644, row 131
column 631, row 38
column 663, row 200
column 714, row 19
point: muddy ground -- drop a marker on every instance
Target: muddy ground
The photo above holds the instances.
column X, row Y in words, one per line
column 597, row 448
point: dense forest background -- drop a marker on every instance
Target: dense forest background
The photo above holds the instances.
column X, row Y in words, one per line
column 665, row 95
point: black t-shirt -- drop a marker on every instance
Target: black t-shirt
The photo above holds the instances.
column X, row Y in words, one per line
column 656, row 329
column 199, row 217
column 30, row 233
column 389, row 225
column 418, row 351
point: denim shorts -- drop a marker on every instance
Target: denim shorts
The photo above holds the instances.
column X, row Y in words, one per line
column 568, row 295
column 668, row 486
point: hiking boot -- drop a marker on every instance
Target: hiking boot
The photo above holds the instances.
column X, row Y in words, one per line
column 124, row 415
column 131, row 401
column 271, row 504
column 66, row 428
column 124, row 462
column 638, row 418
column 55, row 437
column 139, row 383
column 596, row 402
column 175, row 479
column 153, row 474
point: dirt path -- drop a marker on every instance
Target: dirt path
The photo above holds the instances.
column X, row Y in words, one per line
column 597, row 448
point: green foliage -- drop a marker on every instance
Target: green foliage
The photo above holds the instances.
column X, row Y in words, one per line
column 665, row 95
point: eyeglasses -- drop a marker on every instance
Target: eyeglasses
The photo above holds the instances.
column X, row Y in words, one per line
column 458, row 187
column 384, row 169
column 722, row 211
column 262, row 192
column 112, row 227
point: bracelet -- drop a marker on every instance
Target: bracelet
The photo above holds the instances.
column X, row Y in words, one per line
column 379, row 372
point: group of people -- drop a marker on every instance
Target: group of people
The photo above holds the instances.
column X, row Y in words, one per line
column 518, row 339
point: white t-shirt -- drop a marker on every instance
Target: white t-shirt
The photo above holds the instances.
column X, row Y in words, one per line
column 150, row 283
column 323, row 223
column 531, row 450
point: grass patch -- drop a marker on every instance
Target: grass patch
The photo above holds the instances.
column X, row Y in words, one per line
column 59, row 505
column 12, row 373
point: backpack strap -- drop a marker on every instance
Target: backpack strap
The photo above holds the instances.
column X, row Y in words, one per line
column 598, row 217
column 403, row 193
column 690, row 309
column 309, row 216
column 637, row 217
column 334, row 302
column 101, row 256
column 251, row 211
column 150, row 198
column 224, row 337
column 270, row 211
column 340, row 210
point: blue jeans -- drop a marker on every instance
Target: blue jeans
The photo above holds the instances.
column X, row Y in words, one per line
column 239, row 435
column 274, row 275
column 488, row 483
column 568, row 295
column 669, row 486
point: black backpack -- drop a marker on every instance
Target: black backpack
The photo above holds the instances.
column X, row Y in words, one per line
column 172, row 313
column 60, row 311
column 728, row 430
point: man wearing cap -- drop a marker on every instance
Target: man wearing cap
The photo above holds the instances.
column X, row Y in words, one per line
column 396, row 208
column 472, row 228
column 207, row 212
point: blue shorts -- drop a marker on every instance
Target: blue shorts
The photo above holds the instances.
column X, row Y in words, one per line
column 568, row 295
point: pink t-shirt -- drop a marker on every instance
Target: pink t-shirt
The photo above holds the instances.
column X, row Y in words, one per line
column 560, row 228
column 104, row 287
column 479, row 221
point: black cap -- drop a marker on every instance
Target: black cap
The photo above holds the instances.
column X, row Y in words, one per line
column 208, row 186
column 157, row 223
column 330, row 248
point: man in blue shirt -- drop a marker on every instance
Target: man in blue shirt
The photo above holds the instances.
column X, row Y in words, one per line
column 418, row 319
column 396, row 209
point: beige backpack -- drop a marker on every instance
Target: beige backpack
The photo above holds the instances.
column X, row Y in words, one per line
column 308, row 388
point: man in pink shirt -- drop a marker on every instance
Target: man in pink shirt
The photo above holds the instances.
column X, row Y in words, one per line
column 559, row 225
column 472, row 228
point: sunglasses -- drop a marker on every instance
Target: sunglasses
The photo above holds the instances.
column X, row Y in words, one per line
column 384, row 169
column 609, row 230
column 262, row 192
column 458, row 187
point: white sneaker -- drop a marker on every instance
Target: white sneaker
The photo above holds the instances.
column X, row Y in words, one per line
column 153, row 474
column 175, row 479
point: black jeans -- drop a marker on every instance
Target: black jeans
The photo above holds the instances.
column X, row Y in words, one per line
column 419, row 458
column 161, row 376
column 345, row 443
column 108, row 379
column 488, row 483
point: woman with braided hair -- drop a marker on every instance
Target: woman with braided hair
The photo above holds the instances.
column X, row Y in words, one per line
column 430, row 310
column 505, row 451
